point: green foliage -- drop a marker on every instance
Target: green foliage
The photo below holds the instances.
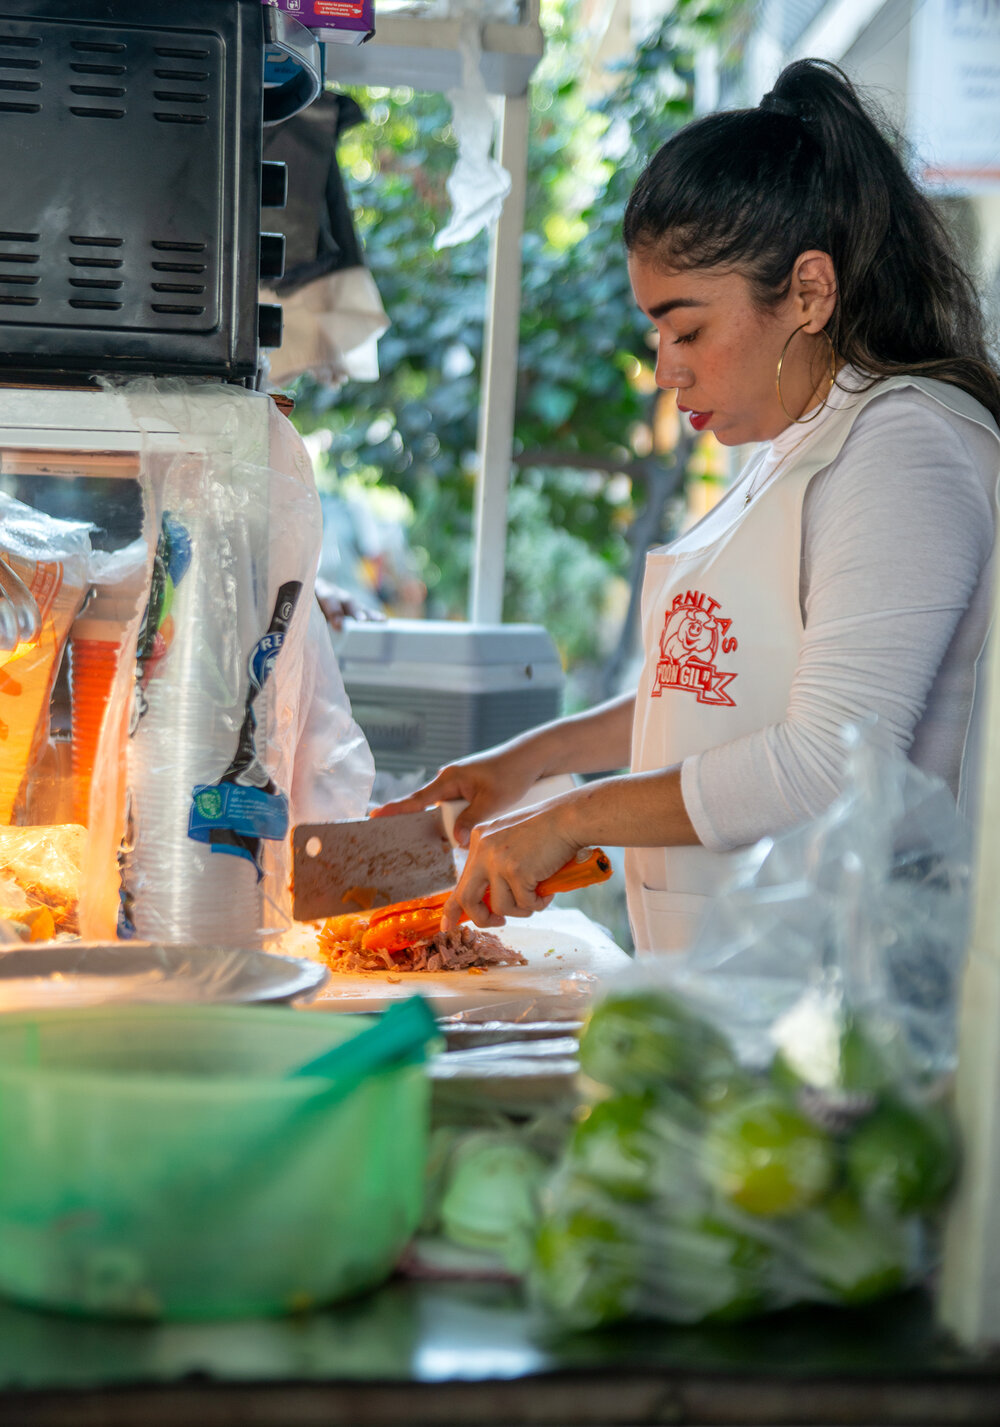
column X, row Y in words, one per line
column 581, row 335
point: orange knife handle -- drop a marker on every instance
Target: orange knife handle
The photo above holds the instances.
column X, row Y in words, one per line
column 578, row 872
column 399, row 926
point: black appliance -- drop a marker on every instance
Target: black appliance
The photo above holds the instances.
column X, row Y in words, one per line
column 131, row 186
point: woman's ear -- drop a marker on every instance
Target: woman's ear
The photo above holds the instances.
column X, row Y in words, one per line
column 814, row 288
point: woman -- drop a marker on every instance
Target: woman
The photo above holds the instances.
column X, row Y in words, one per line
column 805, row 298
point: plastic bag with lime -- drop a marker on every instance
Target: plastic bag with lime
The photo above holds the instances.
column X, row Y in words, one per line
column 693, row 1188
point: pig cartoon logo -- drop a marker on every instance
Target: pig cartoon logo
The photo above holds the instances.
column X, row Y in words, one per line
column 694, row 633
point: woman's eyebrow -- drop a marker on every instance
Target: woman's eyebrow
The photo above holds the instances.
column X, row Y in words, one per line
column 662, row 308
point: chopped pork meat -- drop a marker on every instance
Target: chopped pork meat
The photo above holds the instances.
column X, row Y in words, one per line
column 460, row 950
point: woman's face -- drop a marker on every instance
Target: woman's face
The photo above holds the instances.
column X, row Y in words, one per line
column 719, row 351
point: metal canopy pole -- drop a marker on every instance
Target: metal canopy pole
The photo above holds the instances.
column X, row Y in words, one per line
column 499, row 389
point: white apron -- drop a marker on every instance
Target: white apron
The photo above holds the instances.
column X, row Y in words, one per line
column 721, row 627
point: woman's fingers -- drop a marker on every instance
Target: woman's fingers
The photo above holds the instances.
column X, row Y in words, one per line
column 465, row 906
column 440, row 789
column 478, row 810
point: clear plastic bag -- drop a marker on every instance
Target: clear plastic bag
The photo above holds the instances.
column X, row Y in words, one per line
column 765, row 1119
column 231, row 675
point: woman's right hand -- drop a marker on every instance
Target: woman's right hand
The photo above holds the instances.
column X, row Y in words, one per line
column 489, row 783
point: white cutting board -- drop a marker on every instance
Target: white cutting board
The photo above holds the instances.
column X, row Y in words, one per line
column 569, row 956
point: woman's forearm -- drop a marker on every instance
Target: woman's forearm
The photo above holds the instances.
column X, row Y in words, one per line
column 634, row 810
column 598, row 740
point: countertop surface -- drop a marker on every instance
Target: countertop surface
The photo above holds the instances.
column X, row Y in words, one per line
column 475, row 1353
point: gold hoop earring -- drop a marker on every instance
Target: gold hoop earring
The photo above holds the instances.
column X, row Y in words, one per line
column 799, row 420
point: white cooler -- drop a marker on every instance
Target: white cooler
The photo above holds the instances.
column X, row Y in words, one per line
column 426, row 692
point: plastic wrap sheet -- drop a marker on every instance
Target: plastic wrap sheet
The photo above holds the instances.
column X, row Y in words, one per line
column 231, row 682
column 89, row 974
column 51, row 557
column 765, row 1121
column 40, row 880
column 478, row 184
column 865, row 908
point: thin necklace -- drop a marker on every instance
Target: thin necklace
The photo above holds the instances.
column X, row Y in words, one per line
column 757, row 485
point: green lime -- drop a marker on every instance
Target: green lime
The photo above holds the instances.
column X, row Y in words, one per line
column 902, row 1158
column 612, row 1145
column 853, row 1257
column 638, row 1147
column 717, row 1095
column 706, row 1269
column 765, row 1157
column 871, row 1059
column 641, row 1042
column 585, row 1268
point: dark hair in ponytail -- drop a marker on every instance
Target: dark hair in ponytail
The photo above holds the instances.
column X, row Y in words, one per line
column 810, row 168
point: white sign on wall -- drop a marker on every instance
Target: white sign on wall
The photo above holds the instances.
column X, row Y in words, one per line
column 954, row 93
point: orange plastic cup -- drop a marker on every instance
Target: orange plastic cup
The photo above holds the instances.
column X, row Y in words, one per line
column 94, row 656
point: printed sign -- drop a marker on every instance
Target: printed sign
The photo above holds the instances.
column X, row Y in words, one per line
column 954, row 93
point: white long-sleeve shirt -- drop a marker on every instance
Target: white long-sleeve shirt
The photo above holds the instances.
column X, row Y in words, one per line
column 895, row 593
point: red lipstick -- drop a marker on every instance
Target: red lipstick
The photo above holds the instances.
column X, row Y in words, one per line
column 699, row 419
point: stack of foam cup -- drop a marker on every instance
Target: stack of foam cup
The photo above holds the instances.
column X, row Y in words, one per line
column 180, row 890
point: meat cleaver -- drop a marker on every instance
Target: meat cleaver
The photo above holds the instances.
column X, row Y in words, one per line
column 348, row 866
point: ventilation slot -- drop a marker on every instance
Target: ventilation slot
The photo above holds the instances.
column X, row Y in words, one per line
column 97, row 262
column 177, row 309
column 98, row 47
column 95, row 282
column 165, row 53
column 192, row 287
column 18, row 257
column 95, row 242
column 94, row 306
column 162, row 245
column 12, row 279
column 19, row 237
column 184, row 76
column 99, row 91
column 19, row 63
column 164, row 117
column 6, row 108
column 30, row 86
column 82, row 113
column 25, row 41
column 179, row 267
column 171, row 96
column 112, row 69
column 10, row 301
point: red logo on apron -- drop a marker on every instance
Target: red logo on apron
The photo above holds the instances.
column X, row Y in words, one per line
column 693, row 636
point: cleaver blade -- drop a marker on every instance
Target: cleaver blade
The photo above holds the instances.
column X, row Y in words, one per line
column 389, row 859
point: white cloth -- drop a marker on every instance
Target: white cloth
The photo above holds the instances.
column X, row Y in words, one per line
column 333, row 768
column 894, row 589
column 330, row 329
column 728, row 619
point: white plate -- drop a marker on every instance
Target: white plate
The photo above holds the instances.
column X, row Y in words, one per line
column 95, row 973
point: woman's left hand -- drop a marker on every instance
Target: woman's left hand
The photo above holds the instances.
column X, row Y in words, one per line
column 507, row 859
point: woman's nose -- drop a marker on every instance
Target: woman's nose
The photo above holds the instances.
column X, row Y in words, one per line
column 670, row 374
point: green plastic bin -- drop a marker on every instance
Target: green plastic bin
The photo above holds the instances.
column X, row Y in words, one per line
column 154, row 1163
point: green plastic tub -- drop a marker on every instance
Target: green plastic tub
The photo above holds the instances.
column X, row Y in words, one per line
column 154, row 1163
